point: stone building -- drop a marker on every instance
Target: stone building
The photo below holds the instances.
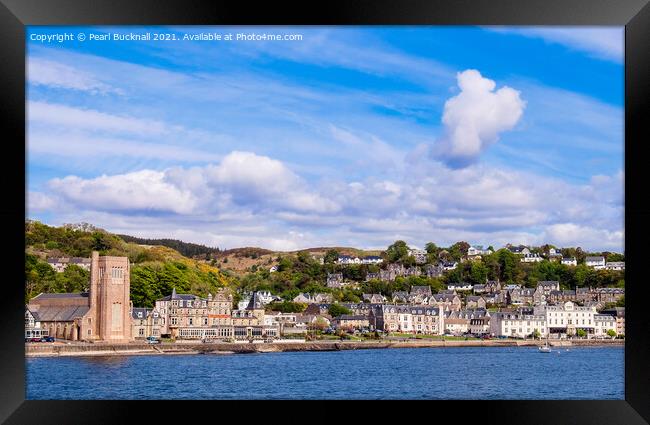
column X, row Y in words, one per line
column 187, row 316
column 408, row 318
column 101, row 314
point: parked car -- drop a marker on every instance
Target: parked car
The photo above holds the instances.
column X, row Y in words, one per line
column 47, row 339
column 152, row 340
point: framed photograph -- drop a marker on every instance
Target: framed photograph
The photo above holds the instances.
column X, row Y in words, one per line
column 431, row 201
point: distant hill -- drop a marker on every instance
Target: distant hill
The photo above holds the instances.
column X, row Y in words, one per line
column 186, row 248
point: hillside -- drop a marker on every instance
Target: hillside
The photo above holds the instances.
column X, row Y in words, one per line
column 187, row 249
column 155, row 270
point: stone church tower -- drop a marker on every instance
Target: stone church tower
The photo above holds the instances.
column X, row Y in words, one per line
column 109, row 317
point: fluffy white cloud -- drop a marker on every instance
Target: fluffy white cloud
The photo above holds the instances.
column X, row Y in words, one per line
column 39, row 202
column 571, row 234
column 475, row 117
column 241, row 180
column 144, row 190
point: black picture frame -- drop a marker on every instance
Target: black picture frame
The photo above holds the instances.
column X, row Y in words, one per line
column 633, row 14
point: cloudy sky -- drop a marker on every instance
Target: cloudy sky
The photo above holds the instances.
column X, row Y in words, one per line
column 353, row 136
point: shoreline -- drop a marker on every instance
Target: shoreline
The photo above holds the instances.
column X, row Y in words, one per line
column 140, row 349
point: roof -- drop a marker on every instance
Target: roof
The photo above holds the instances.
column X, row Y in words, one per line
column 58, row 313
column 352, row 317
column 142, row 310
column 42, row 296
column 421, row 289
column 255, row 302
column 597, row 258
column 616, row 311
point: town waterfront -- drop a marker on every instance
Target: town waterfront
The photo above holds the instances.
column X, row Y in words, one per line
column 399, row 373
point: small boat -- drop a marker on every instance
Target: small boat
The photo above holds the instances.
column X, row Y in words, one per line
column 545, row 348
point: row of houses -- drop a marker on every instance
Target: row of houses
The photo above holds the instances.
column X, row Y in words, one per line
column 369, row 259
column 555, row 321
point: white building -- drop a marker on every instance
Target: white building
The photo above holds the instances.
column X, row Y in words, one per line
column 346, row 259
column 595, row 262
column 478, row 250
column 531, row 258
column 615, row 265
column 372, row 259
column 60, row 264
column 603, row 323
column 518, row 324
column 569, row 261
column 463, row 286
column 567, row 318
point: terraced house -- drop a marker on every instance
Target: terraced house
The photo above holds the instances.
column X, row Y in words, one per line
column 409, row 318
column 187, row 316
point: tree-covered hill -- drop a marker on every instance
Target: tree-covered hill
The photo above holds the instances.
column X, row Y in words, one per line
column 155, row 270
column 191, row 250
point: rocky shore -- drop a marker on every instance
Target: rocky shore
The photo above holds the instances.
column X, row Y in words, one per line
column 84, row 349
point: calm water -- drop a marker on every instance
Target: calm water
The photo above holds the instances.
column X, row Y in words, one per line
column 423, row 373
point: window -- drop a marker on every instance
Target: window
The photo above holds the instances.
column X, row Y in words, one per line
column 141, row 332
column 89, row 331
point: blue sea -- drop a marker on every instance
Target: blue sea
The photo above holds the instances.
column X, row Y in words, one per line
column 408, row 373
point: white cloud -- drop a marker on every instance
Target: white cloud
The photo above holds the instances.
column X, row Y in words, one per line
column 40, row 202
column 571, row 234
column 475, row 117
column 601, row 42
column 241, row 180
column 143, row 190
column 49, row 73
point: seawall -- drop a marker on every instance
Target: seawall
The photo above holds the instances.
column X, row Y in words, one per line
column 84, row 349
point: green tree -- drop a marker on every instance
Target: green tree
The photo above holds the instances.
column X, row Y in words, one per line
column 397, row 252
column 331, row 256
column 335, row 310
column 287, row 307
column 611, row 333
column 581, row 333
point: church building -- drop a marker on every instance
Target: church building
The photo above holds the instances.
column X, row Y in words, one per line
column 101, row 314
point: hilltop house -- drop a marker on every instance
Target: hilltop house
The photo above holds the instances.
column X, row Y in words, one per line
column 461, row 286
column 420, row 255
column 569, row 261
column 615, row 265
column 597, row 262
column 531, row 258
column 478, row 250
column 60, row 264
column 519, row 250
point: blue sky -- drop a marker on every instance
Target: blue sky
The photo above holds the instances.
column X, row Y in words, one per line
column 349, row 136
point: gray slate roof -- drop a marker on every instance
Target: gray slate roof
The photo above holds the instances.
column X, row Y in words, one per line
column 58, row 314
